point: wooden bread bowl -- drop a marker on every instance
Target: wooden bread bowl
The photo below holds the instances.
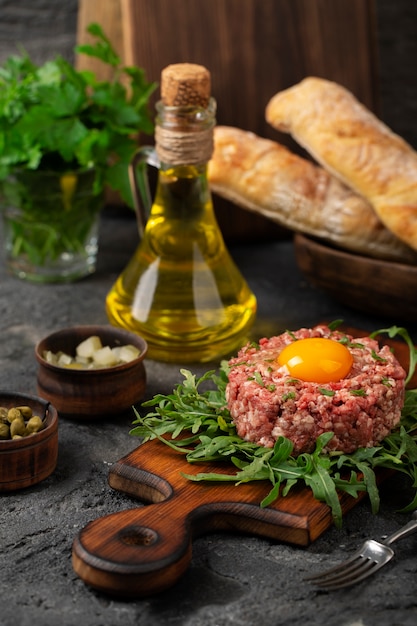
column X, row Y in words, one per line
column 382, row 288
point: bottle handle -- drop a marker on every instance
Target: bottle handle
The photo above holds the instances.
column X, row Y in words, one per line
column 142, row 201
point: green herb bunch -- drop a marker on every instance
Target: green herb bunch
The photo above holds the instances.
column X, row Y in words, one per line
column 53, row 117
column 202, row 413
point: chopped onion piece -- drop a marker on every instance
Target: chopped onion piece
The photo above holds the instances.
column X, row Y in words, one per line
column 91, row 354
column 89, row 346
column 105, row 356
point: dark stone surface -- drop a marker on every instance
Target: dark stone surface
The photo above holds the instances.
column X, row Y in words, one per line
column 233, row 580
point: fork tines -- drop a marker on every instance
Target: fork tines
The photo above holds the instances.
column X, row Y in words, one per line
column 346, row 574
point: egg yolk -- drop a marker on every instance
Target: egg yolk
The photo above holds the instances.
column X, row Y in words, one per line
column 316, row 359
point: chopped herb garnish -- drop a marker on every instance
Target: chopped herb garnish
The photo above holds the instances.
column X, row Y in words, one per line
column 386, row 381
column 288, row 396
column 377, row 357
column 350, row 344
column 212, row 437
column 334, row 325
column 259, row 379
column 344, row 340
column 326, row 392
column 357, row 392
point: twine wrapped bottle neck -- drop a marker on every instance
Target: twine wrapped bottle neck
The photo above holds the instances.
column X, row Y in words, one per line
column 180, row 148
column 184, row 135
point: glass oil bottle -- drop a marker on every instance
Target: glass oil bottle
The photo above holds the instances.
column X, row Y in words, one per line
column 181, row 291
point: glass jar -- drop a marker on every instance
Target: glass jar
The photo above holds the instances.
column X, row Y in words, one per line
column 50, row 222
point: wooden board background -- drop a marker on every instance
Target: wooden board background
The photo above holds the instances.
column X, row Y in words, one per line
column 253, row 49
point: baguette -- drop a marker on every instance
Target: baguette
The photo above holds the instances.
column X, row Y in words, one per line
column 351, row 143
column 263, row 176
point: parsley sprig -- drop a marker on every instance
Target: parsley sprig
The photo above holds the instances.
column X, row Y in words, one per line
column 55, row 117
column 197, row 408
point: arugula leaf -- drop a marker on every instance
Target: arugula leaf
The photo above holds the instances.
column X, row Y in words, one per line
column 198, row 405
column 324, row 489
column 392, row 332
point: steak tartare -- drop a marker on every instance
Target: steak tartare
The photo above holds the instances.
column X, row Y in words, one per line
column 267, row 401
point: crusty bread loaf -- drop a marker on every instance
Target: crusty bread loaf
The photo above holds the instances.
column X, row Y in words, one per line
column 354, row 145
column 265, row 177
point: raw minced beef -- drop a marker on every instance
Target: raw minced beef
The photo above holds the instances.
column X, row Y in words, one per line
column 265, row 402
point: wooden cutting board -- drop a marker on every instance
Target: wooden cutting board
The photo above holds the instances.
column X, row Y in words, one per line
column 145, row 550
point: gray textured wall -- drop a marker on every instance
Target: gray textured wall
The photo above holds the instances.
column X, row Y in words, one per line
column 44, row 27
column 48, row 27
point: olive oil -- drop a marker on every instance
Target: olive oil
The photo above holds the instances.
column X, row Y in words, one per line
column 181, row 291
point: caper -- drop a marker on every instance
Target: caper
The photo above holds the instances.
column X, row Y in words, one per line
column 18, row 422
column 4, row 431
column 13, row 414
column 26, row 411
column 18, row 427
column 34, row 425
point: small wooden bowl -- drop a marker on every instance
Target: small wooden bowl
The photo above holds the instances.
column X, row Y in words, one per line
column 383, row 288
column 94, row 393
column 25, row 462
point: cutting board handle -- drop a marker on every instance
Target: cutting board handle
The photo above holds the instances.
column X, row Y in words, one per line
column 134, row 552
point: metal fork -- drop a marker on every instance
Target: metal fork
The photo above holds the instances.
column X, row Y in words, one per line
column 364, row 562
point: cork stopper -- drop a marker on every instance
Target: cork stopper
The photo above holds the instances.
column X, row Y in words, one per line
column 185, row 84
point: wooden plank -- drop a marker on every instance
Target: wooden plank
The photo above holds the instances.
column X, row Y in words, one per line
column 109, row 15
column 253, row 48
